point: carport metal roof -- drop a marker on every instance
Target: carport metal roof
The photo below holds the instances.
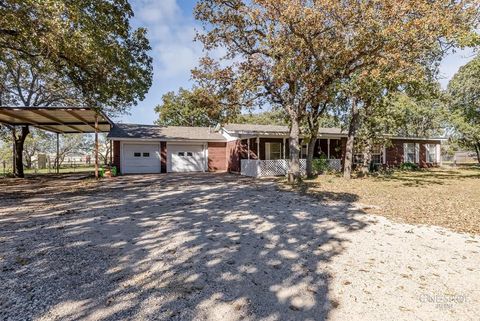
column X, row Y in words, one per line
column 60, row 120
column 63, row 120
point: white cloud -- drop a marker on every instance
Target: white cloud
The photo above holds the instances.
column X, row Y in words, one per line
column 152, row 11
column 171, row 34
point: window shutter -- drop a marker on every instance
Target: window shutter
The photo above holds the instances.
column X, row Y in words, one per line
column 405, row 151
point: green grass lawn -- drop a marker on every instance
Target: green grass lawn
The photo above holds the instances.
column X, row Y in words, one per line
column 62, row 170
column 65, row 170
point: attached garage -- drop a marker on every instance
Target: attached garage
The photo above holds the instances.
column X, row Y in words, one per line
column 139, row 149
column 186, row 158
column 140, row 158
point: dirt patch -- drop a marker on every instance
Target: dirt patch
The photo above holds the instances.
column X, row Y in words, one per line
column 221, row 247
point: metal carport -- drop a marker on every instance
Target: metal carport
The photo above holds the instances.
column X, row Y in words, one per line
column 59, row 120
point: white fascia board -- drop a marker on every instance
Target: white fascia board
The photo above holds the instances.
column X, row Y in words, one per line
column 255, row 134
column 418, row 138
column 156, row 140
column 190, row 142
column 250, row 134
column 332, row 136
column 287, row 136
column 228, row 136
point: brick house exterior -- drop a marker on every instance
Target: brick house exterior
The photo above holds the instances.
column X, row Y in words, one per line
column 224, row 149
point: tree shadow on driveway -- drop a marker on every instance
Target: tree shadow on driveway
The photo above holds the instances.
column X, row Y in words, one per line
column 171, row 247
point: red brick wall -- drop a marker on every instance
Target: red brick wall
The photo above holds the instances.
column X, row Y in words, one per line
column 234, row 153
column 116, row 155
column 395, row 153
column 163, row 157
column 217, row 157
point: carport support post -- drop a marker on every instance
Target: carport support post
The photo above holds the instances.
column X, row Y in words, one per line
column 14, row 154
column 58, row 154
column 96, row 146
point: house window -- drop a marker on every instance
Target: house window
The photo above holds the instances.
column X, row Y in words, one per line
column 273, row 151
column 376, row 156
column 181, row 154
column 189, row 154
column 137, row 154
column 146, row 154
column 304, row 151
column 410, row 153
column 431, row 153
column 358, row 159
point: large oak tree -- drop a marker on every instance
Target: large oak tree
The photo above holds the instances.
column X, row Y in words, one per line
column 289, row 53
column 89, row 45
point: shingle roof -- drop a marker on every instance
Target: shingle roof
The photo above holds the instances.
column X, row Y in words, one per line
column 136, row 131
column 256, row 128
column 250, row 128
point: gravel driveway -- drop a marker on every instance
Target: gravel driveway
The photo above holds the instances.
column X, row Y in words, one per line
column 220, row 247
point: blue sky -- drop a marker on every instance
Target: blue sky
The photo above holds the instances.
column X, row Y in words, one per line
column 171, row 29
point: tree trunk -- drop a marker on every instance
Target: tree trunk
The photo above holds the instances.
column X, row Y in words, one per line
column 19, row 143
column 311, row 151
column 367, row 157
column 477, row 149
column 352, row 128
column 294, row 162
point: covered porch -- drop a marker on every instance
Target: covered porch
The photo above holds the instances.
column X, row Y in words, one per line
column 268, row 156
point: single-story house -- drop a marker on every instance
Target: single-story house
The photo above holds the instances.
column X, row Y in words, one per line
column 253, row 150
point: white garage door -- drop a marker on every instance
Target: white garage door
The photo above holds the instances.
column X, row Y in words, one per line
column 141, row 158
column 185, row 158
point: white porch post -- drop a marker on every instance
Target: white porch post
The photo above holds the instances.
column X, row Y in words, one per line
column 384, row 155
column 284, row 148
column 248, row 149
column 328, row 148
column 258, row 148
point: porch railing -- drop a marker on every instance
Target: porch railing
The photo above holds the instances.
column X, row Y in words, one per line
column 278, row 167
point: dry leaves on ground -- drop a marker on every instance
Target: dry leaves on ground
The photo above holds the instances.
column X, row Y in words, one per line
column 444, row 197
